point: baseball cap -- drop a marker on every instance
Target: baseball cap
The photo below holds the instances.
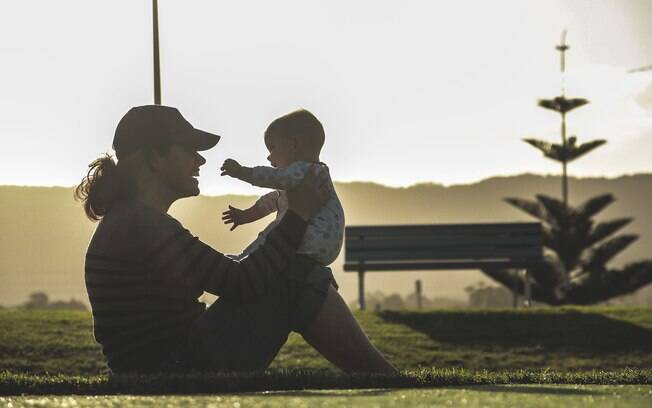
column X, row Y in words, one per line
column 150, row 126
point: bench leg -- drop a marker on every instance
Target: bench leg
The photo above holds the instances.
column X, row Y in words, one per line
column 515, row 292
column 528, row 289
column 361, row 290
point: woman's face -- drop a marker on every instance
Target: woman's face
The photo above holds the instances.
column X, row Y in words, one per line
column 179, row 170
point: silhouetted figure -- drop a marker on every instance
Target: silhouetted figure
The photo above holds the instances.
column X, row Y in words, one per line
column 145, row 271
column 294, row 142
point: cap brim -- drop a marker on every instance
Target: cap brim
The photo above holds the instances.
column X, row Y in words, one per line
column 201, row 140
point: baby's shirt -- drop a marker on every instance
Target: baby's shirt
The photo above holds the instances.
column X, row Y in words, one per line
column 325, row 233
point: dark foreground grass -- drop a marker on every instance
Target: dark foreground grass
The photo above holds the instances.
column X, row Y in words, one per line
column 53, row 352
column 284, row 380
column 483, row 396
column 562, row 339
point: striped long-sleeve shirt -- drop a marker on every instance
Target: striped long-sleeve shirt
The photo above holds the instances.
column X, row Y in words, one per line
column 144, row 272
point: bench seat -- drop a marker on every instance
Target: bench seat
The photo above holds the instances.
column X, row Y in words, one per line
column 441, row 246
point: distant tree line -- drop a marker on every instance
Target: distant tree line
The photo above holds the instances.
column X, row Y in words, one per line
column 40, row 300
column 479, row 295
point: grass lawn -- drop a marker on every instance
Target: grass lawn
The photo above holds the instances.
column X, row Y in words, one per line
column 479, row 396
column 560, row 339
column 54, row 352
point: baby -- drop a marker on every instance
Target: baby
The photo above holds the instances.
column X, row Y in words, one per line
column 294, row 142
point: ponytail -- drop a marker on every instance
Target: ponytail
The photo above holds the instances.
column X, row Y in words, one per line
column 103, row 186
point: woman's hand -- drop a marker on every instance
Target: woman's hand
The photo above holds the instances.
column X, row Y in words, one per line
column 309, row 196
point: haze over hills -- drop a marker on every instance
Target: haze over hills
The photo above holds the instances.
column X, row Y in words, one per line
column 45, row 234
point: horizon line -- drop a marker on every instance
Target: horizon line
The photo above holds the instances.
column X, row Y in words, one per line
column 399, row 186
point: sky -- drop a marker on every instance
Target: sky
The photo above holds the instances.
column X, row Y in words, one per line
column 408, row 91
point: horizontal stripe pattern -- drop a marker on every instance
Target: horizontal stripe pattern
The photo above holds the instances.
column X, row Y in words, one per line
column 186, row 259
column 144, row 306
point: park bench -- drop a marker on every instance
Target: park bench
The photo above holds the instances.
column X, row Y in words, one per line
column 442, row 246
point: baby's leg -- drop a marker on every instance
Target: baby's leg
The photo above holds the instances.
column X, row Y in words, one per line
column 337, row 336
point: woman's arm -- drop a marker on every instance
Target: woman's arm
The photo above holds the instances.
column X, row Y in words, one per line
column 179, row 255
column 183, row 257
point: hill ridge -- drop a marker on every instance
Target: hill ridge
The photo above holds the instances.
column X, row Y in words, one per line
column 45, row 233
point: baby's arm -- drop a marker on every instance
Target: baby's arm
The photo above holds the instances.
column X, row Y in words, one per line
column 280, row 179
column 264, row 206
column 269, row 177
column 234, row 169
column 267, row 204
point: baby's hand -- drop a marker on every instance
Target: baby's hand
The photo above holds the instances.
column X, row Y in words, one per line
column 233, row 216
column 231, row 168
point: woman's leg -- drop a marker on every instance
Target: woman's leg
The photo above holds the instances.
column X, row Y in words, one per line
column 235, row 336
column 337, row 336
column 244, row 337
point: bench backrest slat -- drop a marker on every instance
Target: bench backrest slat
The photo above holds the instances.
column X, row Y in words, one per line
column 472, row 242
column 442, row 242
column 421, row 255
column 442, row 229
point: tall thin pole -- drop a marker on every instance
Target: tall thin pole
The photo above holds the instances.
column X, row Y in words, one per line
column 157, row 64
column 562, row 48
column 564, row 179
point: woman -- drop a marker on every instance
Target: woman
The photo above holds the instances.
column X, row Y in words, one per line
column 144, row 271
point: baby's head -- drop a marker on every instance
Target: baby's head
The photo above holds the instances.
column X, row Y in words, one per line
column 296, row 136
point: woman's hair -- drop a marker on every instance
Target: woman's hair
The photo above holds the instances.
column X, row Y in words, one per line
column 106, row 183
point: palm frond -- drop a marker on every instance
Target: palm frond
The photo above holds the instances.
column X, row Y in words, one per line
column 559, row 153
column 604, row 229
column 511, row 279
column 562, row 104
column 531, row 207
column 549, row 236
column 549, row 150
column 604, row 252
column 633, row 276
column 539, row 144
column 600, row 284
column 594, row 205
column 549, row 273
column 575, row 152
column 558, row 213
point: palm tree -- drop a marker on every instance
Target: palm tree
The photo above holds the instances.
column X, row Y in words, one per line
column 577, row 250
column 568, row 150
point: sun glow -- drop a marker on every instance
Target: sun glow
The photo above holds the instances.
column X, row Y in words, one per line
column 408, row 92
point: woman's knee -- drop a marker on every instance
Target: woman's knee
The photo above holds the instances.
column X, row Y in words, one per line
column 339, row 338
